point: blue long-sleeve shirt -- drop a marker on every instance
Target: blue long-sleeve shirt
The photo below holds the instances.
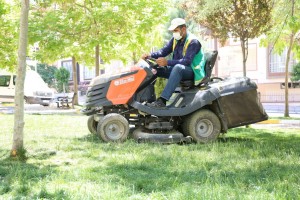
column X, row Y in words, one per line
column 193, row 48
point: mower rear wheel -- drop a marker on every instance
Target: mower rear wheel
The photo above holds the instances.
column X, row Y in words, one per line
column 203, row 126
column 92, row 124
column 113, row 128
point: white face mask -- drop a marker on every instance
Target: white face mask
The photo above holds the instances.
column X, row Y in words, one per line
column 177, row 35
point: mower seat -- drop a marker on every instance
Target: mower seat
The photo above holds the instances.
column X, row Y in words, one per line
column 187, row 84
column 210, row 59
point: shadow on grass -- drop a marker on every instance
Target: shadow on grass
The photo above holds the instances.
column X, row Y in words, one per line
column 156, row 174
column 231, row 139
column 261, row 134
column 160, row 176
column 19, row 178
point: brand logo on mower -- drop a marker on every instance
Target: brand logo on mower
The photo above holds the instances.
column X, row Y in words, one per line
column 124, row 80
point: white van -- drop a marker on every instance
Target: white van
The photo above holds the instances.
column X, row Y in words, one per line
column 36, row 91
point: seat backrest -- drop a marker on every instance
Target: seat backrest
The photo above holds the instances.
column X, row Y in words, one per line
column 210, row 59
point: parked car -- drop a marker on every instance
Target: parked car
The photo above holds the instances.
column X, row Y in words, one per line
column 36, row 91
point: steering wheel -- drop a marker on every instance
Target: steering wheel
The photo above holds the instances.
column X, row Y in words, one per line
column 152, row 63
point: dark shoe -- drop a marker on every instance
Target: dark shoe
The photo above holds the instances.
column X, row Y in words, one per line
column 159, row 103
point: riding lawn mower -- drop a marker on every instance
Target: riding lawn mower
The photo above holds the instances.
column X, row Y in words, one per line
column 118, row 106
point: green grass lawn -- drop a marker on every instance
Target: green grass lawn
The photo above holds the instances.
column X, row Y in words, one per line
column 66, row 162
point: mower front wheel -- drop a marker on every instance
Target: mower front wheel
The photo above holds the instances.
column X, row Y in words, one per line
column 92, row 124
column 203, row 126
column 113, row 128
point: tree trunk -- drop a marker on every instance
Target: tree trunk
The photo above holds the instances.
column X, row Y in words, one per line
column 18, row 134
column 134, row 58
column 286, row 88
column 74, row 67
column 244, row 45
column 64, row 88
column 97, row 63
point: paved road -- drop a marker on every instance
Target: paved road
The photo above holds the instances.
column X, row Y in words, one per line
column 294, row 108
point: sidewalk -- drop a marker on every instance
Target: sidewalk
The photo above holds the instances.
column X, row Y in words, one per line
column 40, row 110
column 8, row 108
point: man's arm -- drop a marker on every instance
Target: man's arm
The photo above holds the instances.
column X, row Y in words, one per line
column 163, row 52
column 193, row 48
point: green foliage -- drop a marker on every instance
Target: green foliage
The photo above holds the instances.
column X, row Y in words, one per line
column 230, row 18
column 8, row 32
column 74, row 28
column 159, row 86
column 66, row 162
column 285, row 22
column 241, row 19
column 47, row 73
column 296, row 72
column 62, row 76
column 283, row 35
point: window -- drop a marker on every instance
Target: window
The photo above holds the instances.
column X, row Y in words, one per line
column 68, row 65
column 4, row 80
column 89, row 73
column 277, row 63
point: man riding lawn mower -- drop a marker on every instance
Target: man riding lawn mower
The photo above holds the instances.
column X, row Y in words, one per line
column 201, row 109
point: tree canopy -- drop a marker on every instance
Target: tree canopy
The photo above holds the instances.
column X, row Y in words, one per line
column 283, row 35
column 62, row 76
column 285, row 20
column 242, row 19
column 76, row 27
column 47, row 73
column 8, row 39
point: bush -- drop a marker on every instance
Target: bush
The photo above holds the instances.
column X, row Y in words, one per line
column 296, row 72
column 159, row 86
column 47, row 73
column 62, row 76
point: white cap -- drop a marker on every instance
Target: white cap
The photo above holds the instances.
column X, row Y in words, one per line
column 175, row 23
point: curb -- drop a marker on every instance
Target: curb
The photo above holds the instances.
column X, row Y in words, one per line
column 281, row 121
column 270, row 121
column 54, row 112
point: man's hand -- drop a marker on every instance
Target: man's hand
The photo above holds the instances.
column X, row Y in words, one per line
column 154, row 71
column 162, row 62
column 145, row 55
